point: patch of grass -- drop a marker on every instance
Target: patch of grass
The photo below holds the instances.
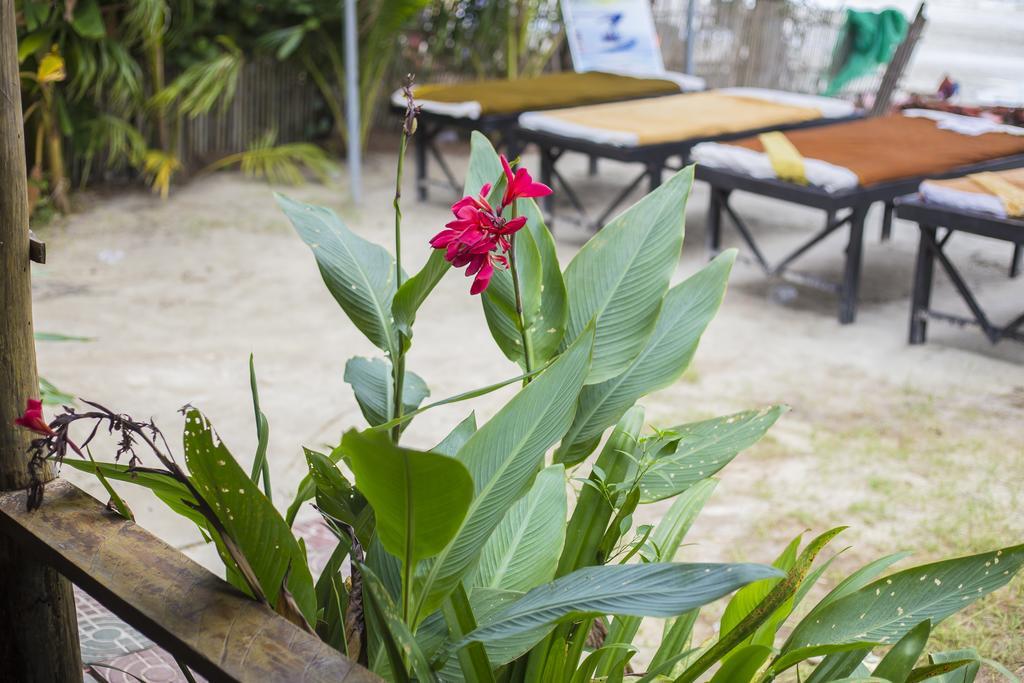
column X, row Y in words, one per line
column 936, row 477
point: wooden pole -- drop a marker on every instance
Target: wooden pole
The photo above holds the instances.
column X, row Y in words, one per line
column 38, row 627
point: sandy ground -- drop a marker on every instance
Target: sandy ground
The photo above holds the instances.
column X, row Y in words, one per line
column 916, row 448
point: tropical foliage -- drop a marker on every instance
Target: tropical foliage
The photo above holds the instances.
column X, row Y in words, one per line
column 470, row 560
column 107, row 84
column 500, row 39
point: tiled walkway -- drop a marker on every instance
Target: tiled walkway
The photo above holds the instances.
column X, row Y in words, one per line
column 117, row 653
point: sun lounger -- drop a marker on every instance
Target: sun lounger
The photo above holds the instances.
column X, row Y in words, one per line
column 494, row 106
column 849, row 167
column 653, row 132
column 973, row 205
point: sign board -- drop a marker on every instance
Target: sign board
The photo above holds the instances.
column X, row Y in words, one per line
column 612, row 35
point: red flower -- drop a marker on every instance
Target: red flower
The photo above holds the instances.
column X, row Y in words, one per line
column 33, row 418
column 478, row 238
column 520, row 185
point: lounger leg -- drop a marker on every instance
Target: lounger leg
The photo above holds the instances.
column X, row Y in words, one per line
column 887, row 221
column 422, row 146
column 1017, row 261
column 714, row 222
column 850, row 289
column 592, row 167
column 920, row 298
column 654, row 175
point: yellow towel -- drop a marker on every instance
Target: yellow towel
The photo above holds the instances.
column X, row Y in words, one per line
column 681, row 117
column 1009, row 194
column 784, row 157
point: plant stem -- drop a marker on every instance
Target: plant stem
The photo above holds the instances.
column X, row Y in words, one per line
column 399, row 360
column 527, row 343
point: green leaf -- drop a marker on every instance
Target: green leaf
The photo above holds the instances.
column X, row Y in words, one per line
column 667, row 537
column 687, row 310
column 358, row 273
column 260, row 466
column 503, row 456
column 484, row 166
column 886, row 609
column 545, row 307
column 88, row 21
column 338, row 499
column 594, row 509
column 115, row 500
column 839, row 664
column 172, row 492
column 585, row 672
column 947, row 671
column 621, row 274
column 662, row 589
column 464, row 396
column 415, row 290
column 749, row 597
column 488, row 603
column 499, row 299
column 703, row 449
column 547, row 326
column 781, row 594
column 857, row 580
column 457, row 438
column 332, row 598
column 398, row 639
column 248, row 516
column 900, row 660
column 743, row 665
column 419, row 498
column 458, row 615
column 967, row 674
column 371, row 381
column 50, row 395
column 660, row 671
column 796, row 656
column 523, row 550
column 59, row 337
column 28, row 45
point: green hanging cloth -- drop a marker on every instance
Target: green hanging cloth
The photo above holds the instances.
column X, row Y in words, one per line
column 873, row 38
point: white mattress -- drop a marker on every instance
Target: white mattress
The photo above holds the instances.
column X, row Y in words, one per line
column 965, row 125
column 756, row 164
column 835, row 178
column 472, row 110
column 829, row 107
column 958, row 199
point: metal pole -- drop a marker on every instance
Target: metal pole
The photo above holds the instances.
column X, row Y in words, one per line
column 355, row 147
column 691, row 9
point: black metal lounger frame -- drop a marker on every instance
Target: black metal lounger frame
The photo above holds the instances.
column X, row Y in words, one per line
column 931, row 248
column 655, row 159
column 431, row 124
column 855, row 202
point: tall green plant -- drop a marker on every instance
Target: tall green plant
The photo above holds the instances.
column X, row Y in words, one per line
column 457, row 563
column 98, row 84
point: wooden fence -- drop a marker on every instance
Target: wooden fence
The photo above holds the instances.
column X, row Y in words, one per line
column 783, row 44
column 271, row 96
